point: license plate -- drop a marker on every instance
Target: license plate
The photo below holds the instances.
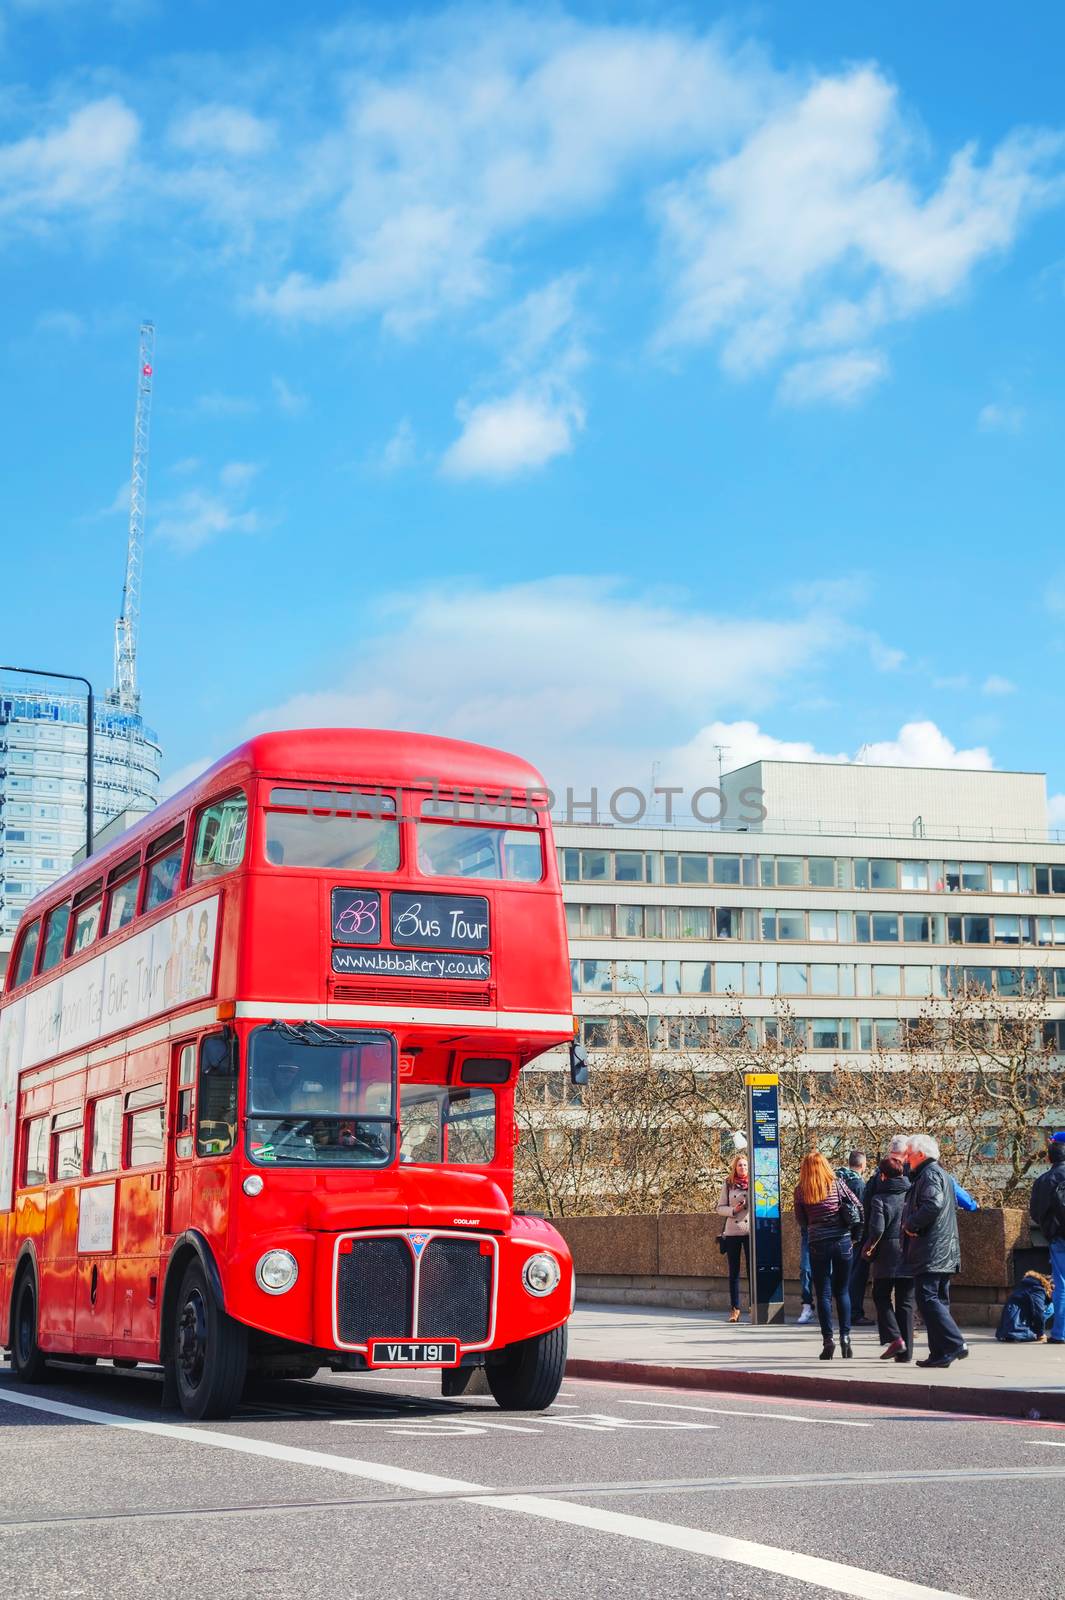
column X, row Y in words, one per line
column 413, row 1353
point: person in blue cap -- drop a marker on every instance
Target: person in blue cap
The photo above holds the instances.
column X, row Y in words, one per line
column 1047, row 1210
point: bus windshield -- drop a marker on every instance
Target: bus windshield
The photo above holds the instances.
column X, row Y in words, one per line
column 320, row 1104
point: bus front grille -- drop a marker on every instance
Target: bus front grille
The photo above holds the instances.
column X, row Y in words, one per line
column 375, row 1290
column 455, row 1290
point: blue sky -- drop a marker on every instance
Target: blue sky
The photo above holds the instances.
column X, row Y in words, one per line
column 606, row 382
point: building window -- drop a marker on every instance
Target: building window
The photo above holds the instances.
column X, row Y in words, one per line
column 726, row 869
column 913, row 874
column 822, row 925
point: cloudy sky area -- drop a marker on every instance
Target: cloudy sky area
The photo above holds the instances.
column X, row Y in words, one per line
column 604, row 382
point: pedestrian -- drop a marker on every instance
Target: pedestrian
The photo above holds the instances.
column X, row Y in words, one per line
column 962, row 1198
column 1028, row 1312
column 1047, row 1210
column 892, row 1289
column 855, row 1175
column 931, row 1253
column 828, row 1208
column 734, row 1205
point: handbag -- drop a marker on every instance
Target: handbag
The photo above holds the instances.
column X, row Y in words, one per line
column 721, row 1242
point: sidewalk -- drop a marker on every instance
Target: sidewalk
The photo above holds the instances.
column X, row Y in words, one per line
column 700, row 1350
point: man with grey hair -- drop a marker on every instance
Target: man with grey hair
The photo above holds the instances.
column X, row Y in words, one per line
column 931, row 1252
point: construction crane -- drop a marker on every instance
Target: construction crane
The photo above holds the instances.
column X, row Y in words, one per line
column 124, row 695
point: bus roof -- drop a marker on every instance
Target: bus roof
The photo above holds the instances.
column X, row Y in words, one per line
column 329, row 755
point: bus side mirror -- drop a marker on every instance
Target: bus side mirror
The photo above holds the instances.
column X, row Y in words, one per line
column 578, row 1065
column 216, row 1052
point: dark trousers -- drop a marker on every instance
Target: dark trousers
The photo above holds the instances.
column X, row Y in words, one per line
column 733, row 1245
column 830, row 1262
column 859, row 1280
column 933, row 1298
column 894, row 1321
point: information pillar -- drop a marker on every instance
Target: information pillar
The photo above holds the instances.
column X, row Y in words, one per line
column 763, row 1143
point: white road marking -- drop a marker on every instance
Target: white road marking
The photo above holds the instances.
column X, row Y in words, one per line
column 722, row 1411
column 831, row 1575
column 1051, row 1444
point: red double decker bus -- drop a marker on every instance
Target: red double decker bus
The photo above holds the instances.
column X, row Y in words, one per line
column 257, row 1074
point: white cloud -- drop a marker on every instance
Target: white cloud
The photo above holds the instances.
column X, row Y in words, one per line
column 813, row 234
column 77, row 165
column 995, row 418
column 399, row 451
column 195, row 517
column 922, row 744
column 917, row 744
column 589, row 680
column 841, row 380
column 287, row 399
column 227, row 130
column 1056, row 810
column 173, row 781
column 996, row 685
column 489, row 130
column 517, row 433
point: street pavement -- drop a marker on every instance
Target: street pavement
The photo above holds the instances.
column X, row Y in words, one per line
column 706, row 1341
column 362, row 1488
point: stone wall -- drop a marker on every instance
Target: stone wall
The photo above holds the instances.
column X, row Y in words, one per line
column 675, row 1261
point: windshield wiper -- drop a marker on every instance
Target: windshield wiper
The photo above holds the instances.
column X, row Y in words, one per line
column 310, row 1033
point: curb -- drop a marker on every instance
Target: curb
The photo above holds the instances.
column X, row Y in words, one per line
column 1031, row 1405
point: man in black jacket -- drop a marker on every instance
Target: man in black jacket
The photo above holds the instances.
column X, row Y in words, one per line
column 1047, row 1210
column 931, row 1252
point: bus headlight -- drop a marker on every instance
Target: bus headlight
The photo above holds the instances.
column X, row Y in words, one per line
column 541, row 1273
column 277, row 1271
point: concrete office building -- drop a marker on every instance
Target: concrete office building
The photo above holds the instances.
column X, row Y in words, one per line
column 42, row 787
column 854, row 899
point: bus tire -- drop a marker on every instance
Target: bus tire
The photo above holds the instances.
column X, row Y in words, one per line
column 208, row 1349
column 27, row 1358
column 531, row 1372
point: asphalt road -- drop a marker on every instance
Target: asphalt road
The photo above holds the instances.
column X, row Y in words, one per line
column 373, row 1488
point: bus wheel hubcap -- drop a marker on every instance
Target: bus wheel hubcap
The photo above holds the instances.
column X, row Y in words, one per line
column 192, row 1340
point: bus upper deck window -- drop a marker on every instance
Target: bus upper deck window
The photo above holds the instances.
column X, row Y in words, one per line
column 123, row 903
column 221, row 829
column 55, row 936
column 27, row 953
column 461, row 850
column 88, row 904
column 338, row 830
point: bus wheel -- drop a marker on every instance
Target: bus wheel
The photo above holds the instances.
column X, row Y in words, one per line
column 208, row 1349
column 530, row 1374
column 27, row 1357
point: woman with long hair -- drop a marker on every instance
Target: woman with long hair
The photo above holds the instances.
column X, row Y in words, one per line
column 734, row 1205
column 828, row 1210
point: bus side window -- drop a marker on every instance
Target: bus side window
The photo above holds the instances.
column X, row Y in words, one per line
column 35, row 1169
column 55, row 936
column 66, row 1145
column 87, row 908
column 220, row 832
column 183, row 1118
column 162, row 872
column 106, row 1150
column 144, row 1119
column 26, row 954
column 216, row 1103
